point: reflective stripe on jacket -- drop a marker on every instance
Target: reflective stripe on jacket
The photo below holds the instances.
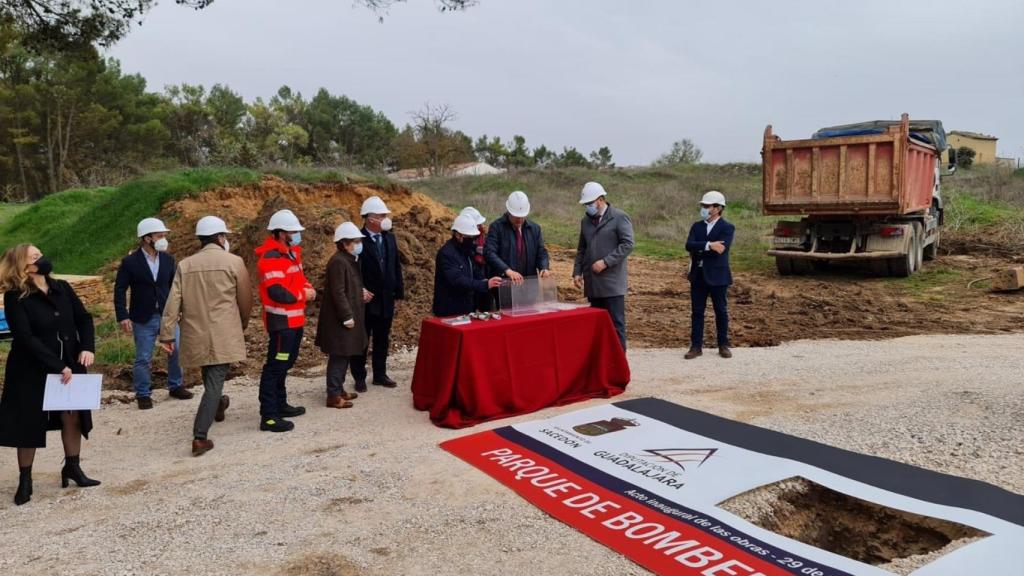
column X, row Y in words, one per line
column 282, row 285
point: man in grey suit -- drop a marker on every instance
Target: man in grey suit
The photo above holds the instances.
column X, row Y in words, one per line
column 606, row 240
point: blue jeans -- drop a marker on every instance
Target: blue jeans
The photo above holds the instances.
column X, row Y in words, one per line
column 145, row 334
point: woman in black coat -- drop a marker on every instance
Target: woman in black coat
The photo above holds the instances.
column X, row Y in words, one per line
column 53, row 334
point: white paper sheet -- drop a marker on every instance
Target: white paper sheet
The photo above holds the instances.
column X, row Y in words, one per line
column 83, row 393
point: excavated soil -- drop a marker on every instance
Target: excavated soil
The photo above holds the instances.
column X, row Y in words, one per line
column 421, row 226
column 765, row 309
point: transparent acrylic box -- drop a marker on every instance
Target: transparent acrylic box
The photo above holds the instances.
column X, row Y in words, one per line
column 534, row 296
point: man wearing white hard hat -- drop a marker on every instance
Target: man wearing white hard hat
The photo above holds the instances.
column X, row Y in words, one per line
column 381, row 267
column 211, row 299
column 515, row 246
column 146, row 273
column 708, row 244
column 341, row 328
column 284, row 292
column 457, row 278
column 484, row 302
column 601, row 266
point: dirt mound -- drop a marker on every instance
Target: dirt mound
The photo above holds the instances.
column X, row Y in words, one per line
column 766, row 309
column 421, row 226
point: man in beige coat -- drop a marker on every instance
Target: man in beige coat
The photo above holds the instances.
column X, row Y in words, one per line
column 210, row 300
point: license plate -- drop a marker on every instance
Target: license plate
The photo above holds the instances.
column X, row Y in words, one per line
column 788, row 240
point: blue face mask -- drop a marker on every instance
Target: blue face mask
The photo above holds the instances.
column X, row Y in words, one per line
column 705, row 213
column 357, row 249
column 296, row 238
column 591, row 210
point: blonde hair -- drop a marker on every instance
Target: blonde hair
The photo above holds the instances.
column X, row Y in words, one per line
column 14, row 271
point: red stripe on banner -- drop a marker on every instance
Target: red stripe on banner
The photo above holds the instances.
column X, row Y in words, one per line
column 654, row 540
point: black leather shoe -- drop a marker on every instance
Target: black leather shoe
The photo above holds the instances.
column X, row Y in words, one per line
column 222, row 407
column 276, row 425
column 181, row 393
column 385, row 382
column 145, row 402
column 290, row 411
column 361, row 386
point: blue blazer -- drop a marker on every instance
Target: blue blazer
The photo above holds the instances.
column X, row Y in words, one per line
column 456, row 280
column 148, row 296
column 714, row 267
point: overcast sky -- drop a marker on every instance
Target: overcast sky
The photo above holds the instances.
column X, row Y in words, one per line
column 634, row 75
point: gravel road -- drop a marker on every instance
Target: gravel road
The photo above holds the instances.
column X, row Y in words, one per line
column 367, row 491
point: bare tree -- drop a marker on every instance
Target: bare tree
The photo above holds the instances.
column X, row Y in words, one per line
column 430, row 124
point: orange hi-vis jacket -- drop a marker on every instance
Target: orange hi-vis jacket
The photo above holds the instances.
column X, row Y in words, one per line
column 282, row 285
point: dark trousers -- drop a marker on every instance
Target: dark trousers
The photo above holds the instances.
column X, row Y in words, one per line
column 282, row 352
column 213, row 389
column 616, row 307
column 378, row 330
column 699, row 292
column 336, row 368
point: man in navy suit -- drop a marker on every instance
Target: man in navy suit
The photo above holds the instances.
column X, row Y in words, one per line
column 147, row 273
column 383, row 291
column 708, row 244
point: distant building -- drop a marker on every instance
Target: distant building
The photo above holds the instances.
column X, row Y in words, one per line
column 984, row 146
column 454, row 170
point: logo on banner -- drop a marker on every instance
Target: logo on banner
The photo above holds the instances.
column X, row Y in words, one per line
column 680, row 456
column 605, row 426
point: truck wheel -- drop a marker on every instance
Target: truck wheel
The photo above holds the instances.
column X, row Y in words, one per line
column 904, row 265
column 784, row 265
column 931, row 251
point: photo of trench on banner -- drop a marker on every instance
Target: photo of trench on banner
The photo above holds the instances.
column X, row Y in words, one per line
column 680, row 491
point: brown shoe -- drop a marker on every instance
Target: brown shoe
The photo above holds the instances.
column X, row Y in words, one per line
column 338, row 402
column 145, row 402
column 724, row 352
column 693, row 353
column 200, row 447
column 181, row 393
column 222, row 407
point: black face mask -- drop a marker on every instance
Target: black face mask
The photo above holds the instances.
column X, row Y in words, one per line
column 44, row 266
column 469, row 243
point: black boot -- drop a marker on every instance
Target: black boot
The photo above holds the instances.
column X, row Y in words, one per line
column 24, row 493
column 72, row 471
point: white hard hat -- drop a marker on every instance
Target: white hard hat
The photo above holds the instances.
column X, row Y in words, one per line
column 211, row 226
column 465, row 224
column 518, row 204
column 150, row 226
column 474, row 213
column 591, row 191
column 713, row 197
column 374, row 205
column 285, row 220
column 347, row 231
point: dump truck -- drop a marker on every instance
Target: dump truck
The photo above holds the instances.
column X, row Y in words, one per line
column 866, row 192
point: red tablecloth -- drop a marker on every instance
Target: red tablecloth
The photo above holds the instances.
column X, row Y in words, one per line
column 497, row 368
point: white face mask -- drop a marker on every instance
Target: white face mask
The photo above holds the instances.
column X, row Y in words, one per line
column 227, row 245
column 356, row 249
column 160, row 245
column 385, row 224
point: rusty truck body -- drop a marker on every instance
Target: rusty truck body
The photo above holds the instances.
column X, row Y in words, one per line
column 866, row 192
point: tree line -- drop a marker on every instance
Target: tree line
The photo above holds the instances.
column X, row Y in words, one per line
column 73, row 118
